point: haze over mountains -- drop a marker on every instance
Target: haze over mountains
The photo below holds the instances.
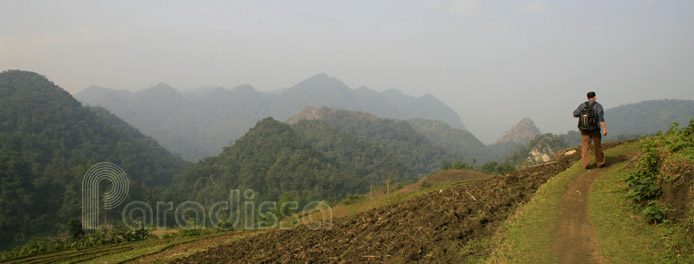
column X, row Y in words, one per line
column 48, row 140
column 198, row 125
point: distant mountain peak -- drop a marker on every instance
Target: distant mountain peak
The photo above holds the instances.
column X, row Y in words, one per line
column 245, row 88
column 322, row 81
column 160, row 88
column 522, row 132
column 162, row 85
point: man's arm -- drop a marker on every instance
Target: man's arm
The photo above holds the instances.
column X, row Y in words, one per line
column 601, row 118
column 604, row 129
column 577, row 112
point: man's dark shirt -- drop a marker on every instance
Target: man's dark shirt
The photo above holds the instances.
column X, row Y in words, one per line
column 597, row 109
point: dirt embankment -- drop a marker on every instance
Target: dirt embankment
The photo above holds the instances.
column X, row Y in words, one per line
column 431, row 228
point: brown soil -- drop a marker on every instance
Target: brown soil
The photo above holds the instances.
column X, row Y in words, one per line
column 438, row 179
column 679, row 190
column 185, row 249
column 444, row 177
column 576, row 239
column 576, row 242
column 431, row 228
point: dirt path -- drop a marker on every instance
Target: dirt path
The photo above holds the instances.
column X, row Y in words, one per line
column 577, row 240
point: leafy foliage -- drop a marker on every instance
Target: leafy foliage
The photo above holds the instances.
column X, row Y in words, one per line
column 48, row 141
column 277, row 164
column 103, row 236
column 645, row 182
column 461, row 143
column 75, row 229
column 398, row 137
column 494, row 168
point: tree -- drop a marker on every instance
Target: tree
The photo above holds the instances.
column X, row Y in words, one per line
column 75, row 229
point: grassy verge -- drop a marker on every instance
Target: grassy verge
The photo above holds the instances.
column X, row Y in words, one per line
column 530, row 234
column 624, row 237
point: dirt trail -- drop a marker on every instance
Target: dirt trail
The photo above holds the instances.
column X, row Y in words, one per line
column 577, row 241
column 576, row 238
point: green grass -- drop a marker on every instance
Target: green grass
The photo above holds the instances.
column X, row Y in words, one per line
column 624, row 237
column 529, row 236
column 124, row 252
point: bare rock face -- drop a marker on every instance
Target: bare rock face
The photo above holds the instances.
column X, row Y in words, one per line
column 539, row 154
column 543, row 148
column 310, row 113
column 320, row 112
column 522, row 133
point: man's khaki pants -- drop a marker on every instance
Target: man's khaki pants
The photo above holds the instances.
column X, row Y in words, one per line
column 586, row 137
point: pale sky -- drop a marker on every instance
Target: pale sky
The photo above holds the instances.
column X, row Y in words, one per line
column 494, row 62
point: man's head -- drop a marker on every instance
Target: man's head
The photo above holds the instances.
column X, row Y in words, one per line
column 591, row 95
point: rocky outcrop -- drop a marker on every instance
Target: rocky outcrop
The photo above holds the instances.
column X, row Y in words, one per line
column 521, row 133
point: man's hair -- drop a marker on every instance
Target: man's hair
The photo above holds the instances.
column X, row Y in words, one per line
column 591, row 95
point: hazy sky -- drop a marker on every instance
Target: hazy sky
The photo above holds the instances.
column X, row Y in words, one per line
column 494, row 62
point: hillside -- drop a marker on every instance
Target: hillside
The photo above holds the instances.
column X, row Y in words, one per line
column 648, row 117
column 282, row 163
column 410, row 147
column 459, row 142
column 199, row 124
column 463, row 217
column 48, row 141
column 541, row 214
column 441, row 226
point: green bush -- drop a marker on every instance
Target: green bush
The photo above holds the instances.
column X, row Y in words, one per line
column 352, row 199
column 645, row 181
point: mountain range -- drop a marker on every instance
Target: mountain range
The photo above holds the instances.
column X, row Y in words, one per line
column 199, row 124
column 48, row 140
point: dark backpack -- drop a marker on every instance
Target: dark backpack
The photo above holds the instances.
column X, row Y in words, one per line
column 587, row 121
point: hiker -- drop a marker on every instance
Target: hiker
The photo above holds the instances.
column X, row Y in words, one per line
column 590, row 114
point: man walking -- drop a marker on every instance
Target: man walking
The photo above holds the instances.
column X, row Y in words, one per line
column 590, row 114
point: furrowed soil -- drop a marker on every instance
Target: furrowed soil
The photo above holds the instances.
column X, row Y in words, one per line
column 432, row 228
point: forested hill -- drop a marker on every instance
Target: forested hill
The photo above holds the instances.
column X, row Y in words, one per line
column 648, row 117
column 289, row 163
column 411, row 148
column 47, row 142
column 199, row 124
